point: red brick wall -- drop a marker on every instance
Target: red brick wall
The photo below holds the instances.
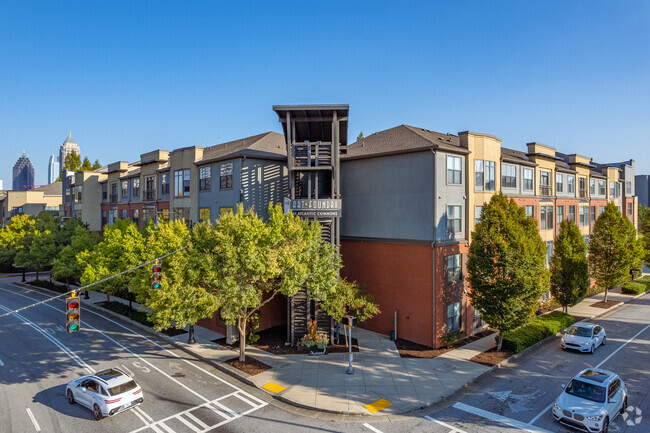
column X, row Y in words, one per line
column 449, row 293
column 400, row 277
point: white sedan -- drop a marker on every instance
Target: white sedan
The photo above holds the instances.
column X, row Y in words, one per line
column 585, row 337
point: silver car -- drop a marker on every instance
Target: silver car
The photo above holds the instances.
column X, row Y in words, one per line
column 106, row 393
column 585, row 337
column 591, row 401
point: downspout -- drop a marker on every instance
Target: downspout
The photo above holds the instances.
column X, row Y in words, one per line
column 433, row 250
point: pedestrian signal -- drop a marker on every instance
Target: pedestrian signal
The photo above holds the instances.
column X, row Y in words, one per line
column 156, row 276
column 72, row 314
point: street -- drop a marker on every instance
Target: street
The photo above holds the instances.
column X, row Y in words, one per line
column 185, row 394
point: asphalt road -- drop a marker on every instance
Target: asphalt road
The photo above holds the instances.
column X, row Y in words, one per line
column 185, row 394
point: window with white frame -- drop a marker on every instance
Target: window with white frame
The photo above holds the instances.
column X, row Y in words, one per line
column 559, row 182
column 546, row 217
column 583, row 212
column 125, row 189
column 205, row 178
column 453, row 219
column 508, row 176
column 629, row 209
column 453, row 268
column 478, row 174
column 136, row 187
column 572, row 213
column 628, row 188
column 571, row 184
column 454, row 170
column 453, row 317
column 618, row 189
column 602, row 187
column 528, row 179
column 559, row 214
column 612, row 189
column 477, row 320
column 478, row 210
column 549, row 251
column 592, row 186
column 490, row 175
column 592, row 210
column 530, row 211
column 225, row 176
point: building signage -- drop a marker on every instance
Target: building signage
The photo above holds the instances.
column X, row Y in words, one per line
column 316, row 208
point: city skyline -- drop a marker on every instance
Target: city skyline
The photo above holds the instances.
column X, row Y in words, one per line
column 554, row 73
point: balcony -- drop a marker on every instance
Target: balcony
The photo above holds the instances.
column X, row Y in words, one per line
column 582, row 193
column 149, row 195
column 113, row 198
column 545, row 190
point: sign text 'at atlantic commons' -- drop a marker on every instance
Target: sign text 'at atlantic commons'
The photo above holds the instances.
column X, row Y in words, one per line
column 316, row 208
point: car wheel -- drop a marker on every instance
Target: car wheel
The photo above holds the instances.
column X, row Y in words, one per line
column 70, row 397
column 605, row 426
column 624, row 407
column 604, row 340
column 97, row 413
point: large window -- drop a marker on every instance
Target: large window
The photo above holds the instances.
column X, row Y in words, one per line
column 546, row 217
column 490, row 175
column 629, row 209
column 571, row 184
column 584, row 215
column 593, row 213
column 453, row 268
column 104, row 218
column 602, row 187
column 592, row 186
column 478, row 174
column 549, row 251
column 182, row 183
column 560, row 214
column 572, row 213
column 205, row 178
column 454, row 171
column 136, row 187
column 618, row 189
column 113, row 192
column 628, row 188
column 530, row 211
column 601, row 209
column 225, row 176
column 528, row 179
column 149, row 188
column 453, row 317
column 582, row 187
column 612, row 189
column 508, row 176
column 453, row 219
column 125, row 189
column 559, row 182
column 545, row 183
column 164, row 183
column 478, row 210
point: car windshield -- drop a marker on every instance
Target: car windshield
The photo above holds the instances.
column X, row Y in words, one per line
column 579, row 331
column 586, row 390
column 119, row 389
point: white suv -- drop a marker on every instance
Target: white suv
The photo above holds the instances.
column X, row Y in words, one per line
column 591, row 401
column 106, row 393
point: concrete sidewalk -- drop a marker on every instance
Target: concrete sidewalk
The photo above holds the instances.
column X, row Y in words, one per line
column 383, row 383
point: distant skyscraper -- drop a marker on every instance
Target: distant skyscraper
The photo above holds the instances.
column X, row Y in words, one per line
column 68, row 146
column 23, row 174
column 53, row 169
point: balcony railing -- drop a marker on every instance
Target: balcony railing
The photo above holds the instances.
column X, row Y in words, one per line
column 113, row 198
column 149, row 195
column 545, row 190
column 582, row 193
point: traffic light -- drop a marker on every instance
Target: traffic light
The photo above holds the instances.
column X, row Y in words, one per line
column 72, row 313
column 156, row 276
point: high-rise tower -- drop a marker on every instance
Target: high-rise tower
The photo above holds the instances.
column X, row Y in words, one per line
column 53, row 169
column 23, row 176
column 68, row 146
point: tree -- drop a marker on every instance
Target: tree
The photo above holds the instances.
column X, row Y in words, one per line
column 37, row 250
column 122, row 248
column 96, row 165
column 11, row 236
column 86, row 165
column 66, row 264
column 614, row 249
column 360, row 136
column 72, row 162
column 182, row 300
column 246, row 262
column 569, row 269
column 506, row 266
column 644, row 229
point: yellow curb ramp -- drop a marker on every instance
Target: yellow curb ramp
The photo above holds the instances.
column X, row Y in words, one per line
column 380, row 404
column 274, row 387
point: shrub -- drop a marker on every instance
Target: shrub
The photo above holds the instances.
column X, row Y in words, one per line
column 535, row 331
column 49, row 285
column 453, row 338
column 635, row 287
column 123, row 309
column 314, row 338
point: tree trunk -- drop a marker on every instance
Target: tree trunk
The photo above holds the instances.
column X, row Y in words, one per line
column 241, row 327
column 500, row 340
column 606, row 295
column 190, row 339
column 108, row 298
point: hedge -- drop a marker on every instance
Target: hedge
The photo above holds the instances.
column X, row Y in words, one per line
column 636, row 287
column 49, row 285
column 123, row 309
column 535, row 331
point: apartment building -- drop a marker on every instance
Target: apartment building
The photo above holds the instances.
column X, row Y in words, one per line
column 30, row 202
column 81, row 197
column 413, row 197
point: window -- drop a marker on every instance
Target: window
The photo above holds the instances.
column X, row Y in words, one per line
column 136, row 187
column 78, row 194
column 583, row 215
column 135, row 216
column 477, row 320
column 508, row 176
column 149, row 188
column 612, row 189
column 490, row 175
column 454, row 171
column 205, row 177
column 571, row 184
column 453, row 219
column 164, row 215
column 549, row 251
column 124, row 214
column 559, row 182
column 453, row 268
column 113, row 192
column 453, row 317
column 593, row 213
column 582, row 186
column 164, row 183
column 560, row 214
column 478, row 210
column 528, row 179
column 530, row 211
column 182, row 213
column 104, row 218
column 546, row 217
column 182, row 183
column 586, row 239
column 629, row 209
column 572, row 213
column 148, row 214
column 478, row 174
column 592, row 186
column 601, row 209
column 125, row 189
column 104, row 192
column 545, row 183
column 601, row 187
column 628, row 188
column 204, row 214
column 225, row 176
column 618, row 189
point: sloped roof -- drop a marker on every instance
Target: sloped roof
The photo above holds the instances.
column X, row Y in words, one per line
column 69, row 140
column 269, row 145
column 53, row 188
column 516, row 157
column 402, row 139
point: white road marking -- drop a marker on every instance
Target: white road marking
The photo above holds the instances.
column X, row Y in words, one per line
column 166, row 427
column 532, row 421
column 139, row 415
column 31, row 416
column 498, row 418
column 368, row 426
column 444, row 424
column 128, row 371
column 143, row 413
column 189, row 424
column 198, row 421
column 2, row 364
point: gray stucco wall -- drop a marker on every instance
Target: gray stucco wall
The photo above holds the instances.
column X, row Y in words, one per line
column 628, row 176
column 217, row 198
column 388, row 197
column 449, row 195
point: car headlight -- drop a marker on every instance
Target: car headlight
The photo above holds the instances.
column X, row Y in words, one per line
column 562, row 339
column 595, row 417
column 555, row 405
column 586, row 343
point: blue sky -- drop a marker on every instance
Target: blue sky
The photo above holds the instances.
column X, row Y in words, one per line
column 129, row 77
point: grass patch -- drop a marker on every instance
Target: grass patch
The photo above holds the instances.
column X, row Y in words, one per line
column 538, row 329
column 636, row 287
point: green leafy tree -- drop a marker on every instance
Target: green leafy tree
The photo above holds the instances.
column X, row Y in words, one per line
column 181, row 300
column 37, row 251
column 86, row 165
column 614, row 249
column 66, row 266
column 11, row 236
column 360, row 136
column 569, row 269
column 96, row 165
column 644, row 230
column 506, row 266
column 122, row 247
column 246, row 262
column 72, row 162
